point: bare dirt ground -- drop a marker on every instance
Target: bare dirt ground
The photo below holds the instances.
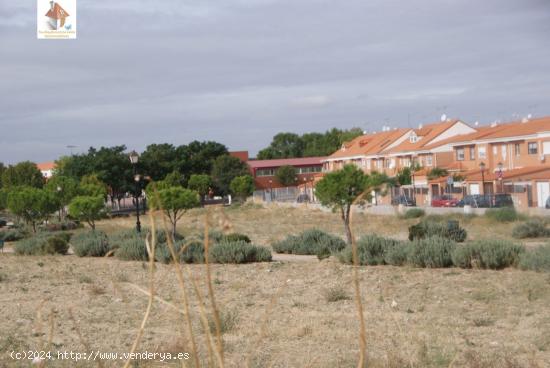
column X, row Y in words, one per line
column 284, row 313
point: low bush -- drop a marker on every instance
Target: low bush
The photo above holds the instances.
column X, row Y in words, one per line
column 187, row 252
column 233, row 237
column 336, row 294
column 42, row 244
column 228, row 321
column 414, row 213
column 90, row 244
column 61, row 226
column 488, row 253
column 432, row 252
column 132, row 249
column 311, row 242
column 534, row 228
column 13, row 235
column 536, row 260
column 425, row 229
column 504, row 214
column 376, row 250
column 239, row 252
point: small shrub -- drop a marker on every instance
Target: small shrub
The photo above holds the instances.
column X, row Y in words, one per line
column 239, row 252
column 336, row 294
column 310, row 242
column 414, row 213
column 132, row 249
column 90, row 244
column 61, row 226
column 65, row 236
column 504, row 214
column 235, row 237
column 534, row 228
column 228, row 321
column 488, row 253
column 193, row 253
column 13, row 235
column 536, row 260
column 426, row 229
column 433, row 252
column 55, row 245
column 374, row 250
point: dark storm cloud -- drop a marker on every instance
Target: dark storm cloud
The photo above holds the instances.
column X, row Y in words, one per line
column 240, row 71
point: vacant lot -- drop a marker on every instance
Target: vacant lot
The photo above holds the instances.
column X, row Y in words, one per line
column 282, row 314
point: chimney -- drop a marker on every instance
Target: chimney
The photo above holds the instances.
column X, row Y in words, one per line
column 420, row 126
column 52, row 4
column 524, row 120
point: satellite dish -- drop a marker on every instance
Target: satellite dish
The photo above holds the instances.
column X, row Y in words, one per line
column 443, row 117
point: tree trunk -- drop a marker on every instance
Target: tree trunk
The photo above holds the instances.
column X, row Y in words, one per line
column 174, row 229
column 34, row 227
column 345, row 218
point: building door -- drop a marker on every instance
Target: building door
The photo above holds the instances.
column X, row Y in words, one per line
column 543, row 192
column 474, row 189
column 435, row 190
column 488, row 188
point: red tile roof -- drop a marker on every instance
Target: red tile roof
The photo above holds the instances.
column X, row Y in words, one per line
column 57, row 12
column 44, row 166
column 426, row 133
column 369, row 144
column 305, row 161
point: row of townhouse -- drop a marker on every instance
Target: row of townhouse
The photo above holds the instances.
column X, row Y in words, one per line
column 501, row 158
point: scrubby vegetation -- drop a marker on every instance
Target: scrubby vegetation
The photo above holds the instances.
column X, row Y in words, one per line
column 42, row 244
column 429, row 228
column 432, row 252
column 488, row 253
column 90, row 244
column 313, row 242
column 376, row 250
column 132, row 248
column 533, row 228
column 13, row 235
column 504, row 214
column 536, row 260
column 239, row 252
column 414, row 213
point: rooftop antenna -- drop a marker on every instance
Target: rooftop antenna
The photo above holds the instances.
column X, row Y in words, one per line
column 70, row 147
column 444, row 117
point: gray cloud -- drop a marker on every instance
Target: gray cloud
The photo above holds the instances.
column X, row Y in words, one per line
column 239, row 71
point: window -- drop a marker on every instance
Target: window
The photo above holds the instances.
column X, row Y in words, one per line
column 460, row 154
column 532, row 148
column 392, row 163
column 308, row 169
column 265, row 172
column 379, row 163
column 495, row 150
column 413, row 138
column 517, row 150
column 429, row 161
column 546, row 148
column 503, row 151
column 472, row 153
column 481, row 152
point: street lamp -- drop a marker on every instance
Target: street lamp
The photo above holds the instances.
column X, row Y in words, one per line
column 270, row 190
column 482, row 168
column 500, row 167
column 134, row 158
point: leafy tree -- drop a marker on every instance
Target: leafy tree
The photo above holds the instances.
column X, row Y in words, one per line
column 174, row 179
column 64, row 190
column 87, row 208
column 3, row 198
column 91, row 186
column 159, row 160
column 437, row 172
column 284, row 145
column 286, row 175
column 31, row 204
column 23, row 174
column 350, row 185
column 198, row 157
column 2, row 169
column 225, row 169
column 174, row 202
column 200, row 183
column 242, row 186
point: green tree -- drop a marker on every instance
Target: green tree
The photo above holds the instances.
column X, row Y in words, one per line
column 87, row 208
column 3, row 198
column 283, row 145
column 173, row 179
column 286, row 175
column 2, row 169
column 22, row 174
column 174, row 202
column 242, row 187
column 341, row 189
column 159, row 160
column 437, row 172
column 91, row 186
column 198, row 157
column 225, row 169
column 201, row 183
column 31, row 204
column 64, row 190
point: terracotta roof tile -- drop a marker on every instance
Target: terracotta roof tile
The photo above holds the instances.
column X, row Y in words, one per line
column 57, row 12
column 304, row 161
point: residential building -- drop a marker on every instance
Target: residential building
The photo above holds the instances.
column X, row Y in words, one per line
column 264, row 171
column 46, row 168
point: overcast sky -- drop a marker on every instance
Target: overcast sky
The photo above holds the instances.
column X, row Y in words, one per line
column 239, row 71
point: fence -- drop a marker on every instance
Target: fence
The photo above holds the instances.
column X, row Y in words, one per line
column 287, row 194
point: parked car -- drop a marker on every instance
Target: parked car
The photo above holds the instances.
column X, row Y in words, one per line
column 302, row 198
column 404, row 200
column 444, row 201
column 486, row 201
column 3, row 222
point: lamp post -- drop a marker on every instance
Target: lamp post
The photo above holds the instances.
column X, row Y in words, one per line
column 305, row 187
column 270, row 190
column 59, row 190
column 414, row 189
column 134, row 158
column 500, row 166
column 482, row 168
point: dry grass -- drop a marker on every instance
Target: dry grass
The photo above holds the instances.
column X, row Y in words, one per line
column 280, row 316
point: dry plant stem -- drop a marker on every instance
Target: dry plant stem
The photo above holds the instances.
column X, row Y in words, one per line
column 211, row 291
column 185, row 299
column 151, row 251
column 80, row 337
column 359, row 303
column 157, row 298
